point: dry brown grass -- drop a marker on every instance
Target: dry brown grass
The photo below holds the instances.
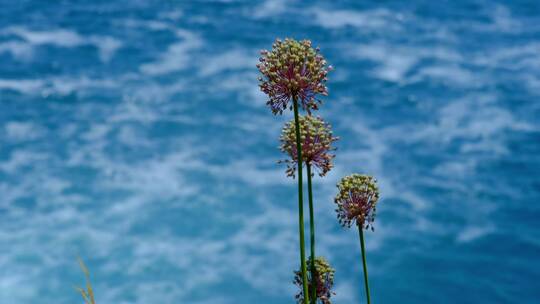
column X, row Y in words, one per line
column 87, row 293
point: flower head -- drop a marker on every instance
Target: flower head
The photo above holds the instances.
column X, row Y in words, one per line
column 292, row 68
column 356, row 200
column 324, row 280
column 316, row 139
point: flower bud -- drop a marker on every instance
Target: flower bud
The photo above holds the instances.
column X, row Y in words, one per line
column 292, row 60
column 356, row 200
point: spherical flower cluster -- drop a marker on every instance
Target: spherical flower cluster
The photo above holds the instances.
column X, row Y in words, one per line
column 316, row 140
column 356, row 200
column 292, row 69
column 323, row 283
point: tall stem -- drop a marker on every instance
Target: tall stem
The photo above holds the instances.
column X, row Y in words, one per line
column 361, row 230
column 300, row 203
column 312, row 236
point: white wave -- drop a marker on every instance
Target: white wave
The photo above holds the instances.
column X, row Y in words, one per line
column 177, row 57
column 457, row 168
column 377, row 19
column 133, row 111
column 252, row 172
column 174, row 15
column 59, row 37
column 395, row 67
column 232, row 60
column 105, row 45
column 19, row 50
column 475, row 119
column 451, row 74
column 520, row 58
column 245, row 85
column 372, row 148
column 270, row 8
column 25, row 86
column 523, row 62
column 396, row 61
column 21, row 158
column 22, row 131
column 66, row 86
column 273, row 232
column 503, row 21
column 146, row 24
column 406, row 64
column 161, row 178
column 498, row 19
column 471, row 233
column 56, row 86
column 18, row 286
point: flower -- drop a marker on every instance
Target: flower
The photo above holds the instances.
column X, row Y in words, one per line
column 324, row 280
column 316, row 140
column 292, row 69
column 356, row 200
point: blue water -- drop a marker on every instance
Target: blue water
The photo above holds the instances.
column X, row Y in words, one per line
column 133, row 135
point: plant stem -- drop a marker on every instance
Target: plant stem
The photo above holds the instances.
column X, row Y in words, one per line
column 361, row 230
column 300, row 203
column 312, row 235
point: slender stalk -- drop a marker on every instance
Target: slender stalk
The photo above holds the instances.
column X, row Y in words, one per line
column 361, row 230
column 312, row 236
column 300, row 203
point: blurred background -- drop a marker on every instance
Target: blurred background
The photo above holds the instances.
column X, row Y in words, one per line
column 133, row 134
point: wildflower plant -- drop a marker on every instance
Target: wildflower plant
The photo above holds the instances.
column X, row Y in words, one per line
column 316, row 142
column 321, row 280
column 356, row 203
column 293, row 73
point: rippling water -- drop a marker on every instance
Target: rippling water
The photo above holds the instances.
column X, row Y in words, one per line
column 133, row 134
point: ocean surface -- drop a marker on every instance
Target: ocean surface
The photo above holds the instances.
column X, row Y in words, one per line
column 133, row 134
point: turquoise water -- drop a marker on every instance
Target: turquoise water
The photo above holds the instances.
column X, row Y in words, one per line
column 133, row 134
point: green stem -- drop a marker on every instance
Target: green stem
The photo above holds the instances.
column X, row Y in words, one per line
column 300, row 203
column 312, row 235
column 361, row 230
